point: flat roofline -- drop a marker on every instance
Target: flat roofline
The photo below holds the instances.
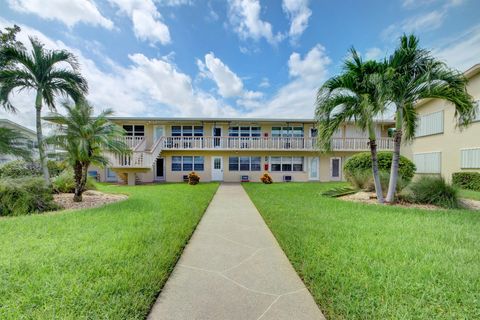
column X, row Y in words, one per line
column 204, row 119
column 19, row 126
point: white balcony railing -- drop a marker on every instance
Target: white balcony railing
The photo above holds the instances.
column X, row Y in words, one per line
column 132, row 142
column 141, row 158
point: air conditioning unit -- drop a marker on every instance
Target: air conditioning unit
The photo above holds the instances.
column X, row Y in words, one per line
column 287, row 178
column 185, row 178
column 245, row 179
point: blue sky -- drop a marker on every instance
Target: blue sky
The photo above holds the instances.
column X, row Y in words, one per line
column 231, row 58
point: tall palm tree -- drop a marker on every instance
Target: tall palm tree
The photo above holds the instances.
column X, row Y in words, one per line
column 86, row 139
column 49, row 73
column 352, row 96
column 413, row 74
column 12, row 143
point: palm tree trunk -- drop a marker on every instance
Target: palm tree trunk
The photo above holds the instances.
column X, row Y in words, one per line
column 397, row 142
column 41, row 146
column 376, row 176
column 78, row 175
column 373, row 152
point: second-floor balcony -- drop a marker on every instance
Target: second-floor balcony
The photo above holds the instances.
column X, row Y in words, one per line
column 262, row 143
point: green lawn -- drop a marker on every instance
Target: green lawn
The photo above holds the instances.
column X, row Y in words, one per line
column 368, row 262
column 103, row 263
column 469, row 194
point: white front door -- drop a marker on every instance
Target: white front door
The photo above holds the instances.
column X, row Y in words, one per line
column 217, row 169
column 335, row 169
column 158, row 131
column 313, row 165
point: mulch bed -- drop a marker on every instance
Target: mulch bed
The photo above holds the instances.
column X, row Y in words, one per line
column 371, row 198
column 91, row 199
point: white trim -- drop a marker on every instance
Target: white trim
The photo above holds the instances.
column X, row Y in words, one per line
column 339, row 178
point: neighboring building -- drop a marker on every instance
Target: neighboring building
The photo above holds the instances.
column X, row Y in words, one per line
column 30, row 139
column 167, row 149
column 440, row 147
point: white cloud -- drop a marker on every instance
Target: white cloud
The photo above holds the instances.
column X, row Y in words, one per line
column 69, row 12
column 463, row 51
column 244, row 15
column 373, row 53
column 146, row 19
column 265, row 83
column 296, row 99
column 419, row 23
column 298, row 13
column 228, row 83
column 147, row 86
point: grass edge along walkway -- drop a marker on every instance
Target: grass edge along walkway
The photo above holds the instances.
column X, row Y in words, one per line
column 107, row 262
column 363, row 261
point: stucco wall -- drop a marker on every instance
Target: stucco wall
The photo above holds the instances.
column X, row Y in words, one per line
column 453, row 139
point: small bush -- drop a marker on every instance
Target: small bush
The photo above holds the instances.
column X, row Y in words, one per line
column 193, row 178
column 466, row 180
column 266, row 178
column 363, row 179
column 432, row 190
column 65, row 182
column 55, row 167
column 20, row 168
column 363, row 161
column 25, row 195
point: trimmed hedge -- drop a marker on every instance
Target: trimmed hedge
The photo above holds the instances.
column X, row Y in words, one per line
column 25, row 195
column 363, row 161
column 466, row 180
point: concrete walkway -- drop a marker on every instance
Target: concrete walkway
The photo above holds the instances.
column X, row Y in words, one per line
column 233, row 268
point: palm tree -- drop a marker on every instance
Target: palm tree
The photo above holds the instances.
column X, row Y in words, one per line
column 11, row 143
column 86, row 139
column 45, row 72
column 413, row 74
column 352, row 96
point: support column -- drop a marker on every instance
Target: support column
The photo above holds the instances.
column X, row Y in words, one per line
column 131, row 178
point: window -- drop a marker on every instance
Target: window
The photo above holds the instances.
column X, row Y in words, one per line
column 233, row 163
column 477, row 110
column 188, row 163
column 255, row 163
column 428, row 162
column 176, row 163
column 244, row 163
column 287, row 132
column 470, row 158
column 430, row 124
column 198, row 163
column 286, row 164
column 135, row 130
column 297, row 163
column 187, row 131
column 245, row 131
column 276, row 163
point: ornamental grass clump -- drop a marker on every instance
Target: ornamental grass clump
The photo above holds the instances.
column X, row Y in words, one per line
column 432, row 190
column 193, row 178
column 266, row 178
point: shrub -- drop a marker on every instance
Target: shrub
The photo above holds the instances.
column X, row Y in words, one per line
column 432, row 190
column 363, row 179
column 363, row 161
column 20, row 196
column 466, row 180
column 55, row 167
column 65, row 182
column 20, row 168
column 266, row 178
column 193, row 178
